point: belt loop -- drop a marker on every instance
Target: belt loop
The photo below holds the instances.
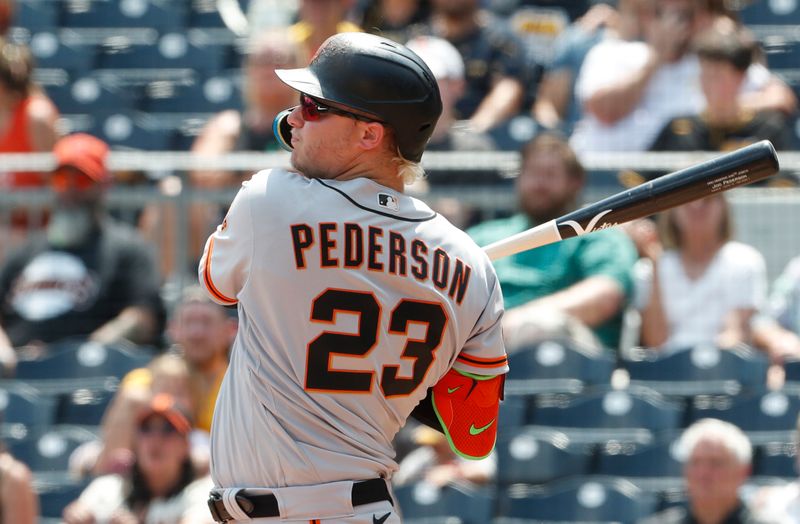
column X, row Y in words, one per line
column 232, row 505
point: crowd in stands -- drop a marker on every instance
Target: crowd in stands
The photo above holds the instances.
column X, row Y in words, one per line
column 553, row 80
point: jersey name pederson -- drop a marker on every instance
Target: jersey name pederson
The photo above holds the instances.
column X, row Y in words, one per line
column 349, row 246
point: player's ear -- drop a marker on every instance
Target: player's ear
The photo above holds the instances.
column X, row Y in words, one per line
column 372, row 135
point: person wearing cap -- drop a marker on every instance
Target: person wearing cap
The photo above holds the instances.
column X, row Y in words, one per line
column 86, row 275
column 357, row 303
column 447, row 67
column 161, row 487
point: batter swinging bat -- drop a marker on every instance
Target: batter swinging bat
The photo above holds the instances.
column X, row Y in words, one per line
column 737, row 168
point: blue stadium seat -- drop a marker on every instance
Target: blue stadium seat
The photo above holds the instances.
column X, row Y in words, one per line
column 22, row 405
column 775, row 459
column 50, row 449
column 513, row 133
column 635, row 415
column 164, row 15
column 90, row 96
column 210, row 95
column 172, row 51
column 513, row 413
column 83, row 360
column 699, row 370
column 204, row 13
column 653, row 467
column 36, row 15
column 532, row 456
column 578, row 500
column 782, row 53
column 126, row 131
column 770, row 12
column 552, row 366
column 50, row 52
column 423, row 501
column 765, row 417
column 55, row 495
column 84, row 406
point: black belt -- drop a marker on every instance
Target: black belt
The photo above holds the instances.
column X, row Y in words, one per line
column 264, row 506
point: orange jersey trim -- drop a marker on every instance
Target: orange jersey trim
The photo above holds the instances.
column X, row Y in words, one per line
column 482, row 362
column 210, row 283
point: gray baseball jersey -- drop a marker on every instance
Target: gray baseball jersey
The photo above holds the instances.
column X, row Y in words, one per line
column 353, row 300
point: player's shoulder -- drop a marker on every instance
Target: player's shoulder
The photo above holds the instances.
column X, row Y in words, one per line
column 275, row 182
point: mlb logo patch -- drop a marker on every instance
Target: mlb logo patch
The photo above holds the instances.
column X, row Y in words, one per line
column 388, row 201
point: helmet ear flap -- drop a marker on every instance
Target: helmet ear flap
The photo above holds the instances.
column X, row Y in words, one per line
column 282, row 130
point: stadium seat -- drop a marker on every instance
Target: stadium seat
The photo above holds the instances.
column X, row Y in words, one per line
column 50, row 449
column 765, row 417
column 654, row 467
column 770, row 12
column 164, row 15
column 210, row 95
column 22, row 405
column 513, row 133
column 578, row 500
column 90, row 96
column 552, row 366
column 36, row 15
column 171, row 51
column 50, row 52
column 534, row 456
column 83, row 360
column 632, row 415
column 782, row 53
column 204, row 13
column 84, row 406
column 775, row 459
column 127, row 131
column 422, row 500
column 54, row 496
column 699, row 370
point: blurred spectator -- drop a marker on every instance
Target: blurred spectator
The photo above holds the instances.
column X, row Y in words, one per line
column 556, row 105
column 392, row 18
column 562, row 288
column 781, row 503
column 27, row 125
column 165, row 374
column 496, row 69
column 630, row 90
column 88, row 275
column 447, row 66
column 436, row 463
column 725, row 124
column 250, row 130
column 704, row 287
column 776, row 329
column 717, row 457
column 318, row 21
column 162, row 485
column 202, row 333
column 27, row 117
column 19, row 503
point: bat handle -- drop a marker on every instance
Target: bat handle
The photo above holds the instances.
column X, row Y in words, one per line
column 540, row 235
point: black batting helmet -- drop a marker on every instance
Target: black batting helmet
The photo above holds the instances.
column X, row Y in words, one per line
column 377, row 77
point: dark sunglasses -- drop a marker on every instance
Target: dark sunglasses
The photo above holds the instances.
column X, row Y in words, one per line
column 313, row 110
column 163, row 428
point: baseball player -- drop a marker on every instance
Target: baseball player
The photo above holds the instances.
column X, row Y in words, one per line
column 357, row 303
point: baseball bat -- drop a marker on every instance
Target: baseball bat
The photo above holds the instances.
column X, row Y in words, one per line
column 737, row 168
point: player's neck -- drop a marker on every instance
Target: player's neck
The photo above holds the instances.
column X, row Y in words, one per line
column 376, row 168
